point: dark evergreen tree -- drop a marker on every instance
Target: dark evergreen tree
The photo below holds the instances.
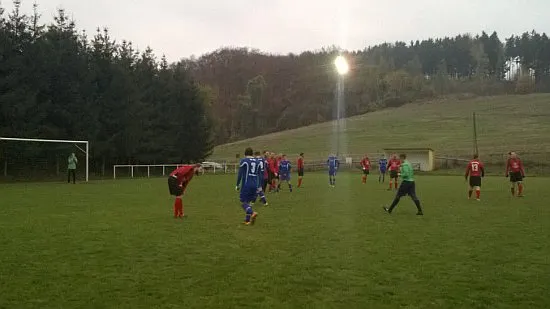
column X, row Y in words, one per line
column 56, row 84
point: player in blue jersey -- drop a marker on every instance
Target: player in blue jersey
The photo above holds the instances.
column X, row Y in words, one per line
column 332, row 164
column 262, row 165
column 247, row 183
column 382, row 168
column 284, row 172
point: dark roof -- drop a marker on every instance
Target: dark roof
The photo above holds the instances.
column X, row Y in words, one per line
column 409, row 149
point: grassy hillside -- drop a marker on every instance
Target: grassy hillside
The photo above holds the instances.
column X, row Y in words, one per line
column 521, row 123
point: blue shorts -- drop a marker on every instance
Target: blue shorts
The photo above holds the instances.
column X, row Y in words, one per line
column 382, row 171
column 284, row 177
column 248, row 194
column 331, row 172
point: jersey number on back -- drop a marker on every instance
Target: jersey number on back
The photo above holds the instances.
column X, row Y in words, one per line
column 475, row 167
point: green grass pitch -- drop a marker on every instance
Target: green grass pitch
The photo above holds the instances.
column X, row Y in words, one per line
column 114, row 244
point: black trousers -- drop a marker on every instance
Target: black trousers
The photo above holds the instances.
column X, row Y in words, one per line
column 406, row 188
column 70, row 173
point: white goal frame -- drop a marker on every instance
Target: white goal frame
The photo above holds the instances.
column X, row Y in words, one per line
column 38, row 140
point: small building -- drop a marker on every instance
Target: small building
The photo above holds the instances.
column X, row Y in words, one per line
column 422, row 159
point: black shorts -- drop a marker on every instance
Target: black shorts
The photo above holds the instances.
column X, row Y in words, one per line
column 173, row 186
column 475, row 181
column 516, row 177
column 300, row 172
column 407, row 188
column 393, row 174
column 366, row 172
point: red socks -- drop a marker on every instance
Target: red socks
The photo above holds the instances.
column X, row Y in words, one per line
column 478, row 194
column 520, row 189
column 390, row 184
column 364, row 179
column 178, row 208
column 396, row 184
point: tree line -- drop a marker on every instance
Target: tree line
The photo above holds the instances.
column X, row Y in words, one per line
column 57, row 83
column 252, row 93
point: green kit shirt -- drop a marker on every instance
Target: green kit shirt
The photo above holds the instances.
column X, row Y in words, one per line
column 72, row 163
column 407, row 173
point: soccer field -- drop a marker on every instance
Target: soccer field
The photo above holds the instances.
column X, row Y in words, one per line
column 114, row 244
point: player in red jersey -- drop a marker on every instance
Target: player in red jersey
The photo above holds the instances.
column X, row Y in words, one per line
column 300, row 169
column 393, row 166
column 365, row 165
column 177, row 183
column 475, row 171
column 266, row 172
column 514, row 168
column 274, row 168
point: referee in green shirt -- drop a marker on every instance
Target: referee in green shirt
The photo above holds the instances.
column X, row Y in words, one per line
column 407, row 186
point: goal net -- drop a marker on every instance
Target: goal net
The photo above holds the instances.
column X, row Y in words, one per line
column 29, row 159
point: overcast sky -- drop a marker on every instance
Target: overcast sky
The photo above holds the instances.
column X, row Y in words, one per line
column 181, row 28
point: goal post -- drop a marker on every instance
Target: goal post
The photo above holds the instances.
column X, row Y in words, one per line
column 86, row 151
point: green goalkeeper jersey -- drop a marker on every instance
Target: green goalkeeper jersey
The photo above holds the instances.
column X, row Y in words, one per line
column 72, row 161
column 407, row 173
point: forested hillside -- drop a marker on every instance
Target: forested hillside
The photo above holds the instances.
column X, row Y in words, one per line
column 252, row 93
column 58, row 82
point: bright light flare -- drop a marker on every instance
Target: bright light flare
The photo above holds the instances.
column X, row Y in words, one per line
column 341, row 65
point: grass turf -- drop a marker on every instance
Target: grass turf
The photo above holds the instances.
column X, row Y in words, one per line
column 114, row 244
column 520, row 123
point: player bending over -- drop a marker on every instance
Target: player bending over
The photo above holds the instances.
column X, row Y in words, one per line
column 300, row 169
column 382, row 167
column 407, row 187
column 475, row 171
column 514, row 168
column 247, row 183
column 365, row 165
column 332, row 164
column 261, row 168
column 284, row 172
column 177, row 183
column 393, row 166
